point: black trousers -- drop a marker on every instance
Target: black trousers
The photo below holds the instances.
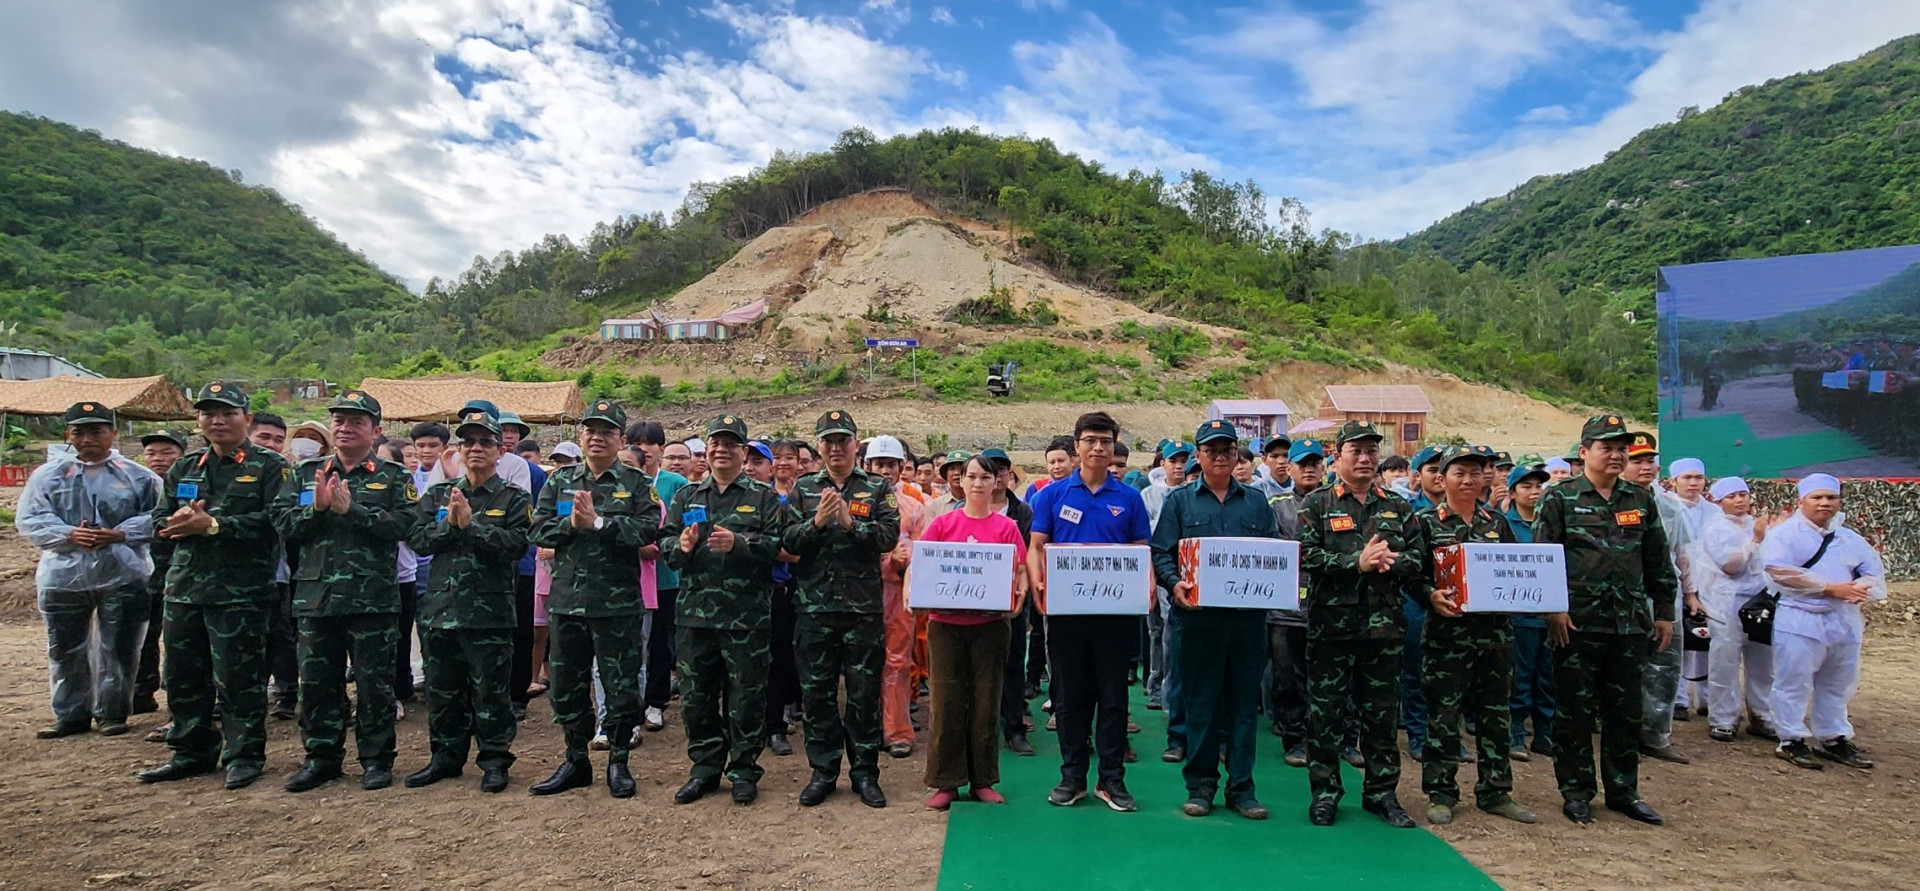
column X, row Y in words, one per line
column 1013, row 699
column 522, row 640
column 283, row 648
column 783, row 673
column 1036, row 643
column 403, row 653
column 1287, row 657
column 1090, row 656
column 660, row 649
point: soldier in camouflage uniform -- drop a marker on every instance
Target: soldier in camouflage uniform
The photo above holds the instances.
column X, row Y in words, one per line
column 1360, row 544
column 724, row 534
column 1468, row 658
column 847, row 520
column 159, row 451
column 475, row 529
column 216, row 509
column 596, row 515
column 346, row 514
column 1621, row 593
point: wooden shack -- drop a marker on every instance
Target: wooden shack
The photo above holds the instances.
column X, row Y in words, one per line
column 1399, row 411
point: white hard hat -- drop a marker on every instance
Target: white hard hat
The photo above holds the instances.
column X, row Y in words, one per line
column 885, row 447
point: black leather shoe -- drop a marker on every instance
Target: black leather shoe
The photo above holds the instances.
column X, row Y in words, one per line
column 869, row 792
column 1174, row 755
column 1389, row 809
column 695, row 789
column 1248, row 808
column 429, row 775
column 173, row 770
column 375, row 777
column 312, row 777
column 1321, row 813
column 817, row 789
column 619, row 780
column 242, row 774
column 745, row 791
column 778, row 744
column 145, row 704
column 59, row 730
column 1638, row 811
column 1018, row 745
column 569, row 775
column 1578, row 811
column 493, row 779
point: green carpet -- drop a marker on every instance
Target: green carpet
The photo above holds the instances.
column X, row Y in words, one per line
column 1711, row 439
column 1028, row 843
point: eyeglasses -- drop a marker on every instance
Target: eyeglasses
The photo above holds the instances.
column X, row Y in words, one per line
column 467, row 442
column 1096, row 441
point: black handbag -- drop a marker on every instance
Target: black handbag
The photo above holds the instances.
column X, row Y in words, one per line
column 1756, row 618
column 1694, row 633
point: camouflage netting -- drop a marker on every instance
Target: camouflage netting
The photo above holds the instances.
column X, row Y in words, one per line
column 1886, row 513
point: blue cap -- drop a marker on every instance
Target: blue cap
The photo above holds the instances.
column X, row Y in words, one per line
column 1193, row 466
column 1304, row 449
column 761, row 447
column 1523, row 472
column 1175, row 449
column 1209, row 431
column 1426, row 456
column 1279, row 439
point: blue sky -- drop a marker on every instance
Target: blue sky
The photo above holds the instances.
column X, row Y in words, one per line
column 425, row 132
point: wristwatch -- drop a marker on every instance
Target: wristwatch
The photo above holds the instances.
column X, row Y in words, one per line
column 599, row 523
column 213, row 526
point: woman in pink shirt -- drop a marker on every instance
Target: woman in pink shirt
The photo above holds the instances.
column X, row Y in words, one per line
column 967, row 655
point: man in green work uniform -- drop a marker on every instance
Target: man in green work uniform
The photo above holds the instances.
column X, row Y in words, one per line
column 595, row 515
column 724, row 534
column 1468, row 659
column 346, row 514
column 216, row 511
column 476, row 530
column 1621, row 592
column 1360, row 545
column 847, row 520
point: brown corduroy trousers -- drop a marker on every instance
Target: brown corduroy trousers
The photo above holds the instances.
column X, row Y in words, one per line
column 967, row 666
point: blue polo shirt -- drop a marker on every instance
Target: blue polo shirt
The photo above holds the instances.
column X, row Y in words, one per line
column 1067, row 512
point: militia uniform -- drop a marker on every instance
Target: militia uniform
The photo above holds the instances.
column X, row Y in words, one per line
column 725, row 619
column 1620, row 581
column 594, row 609
column 840, row 627
column 146, row 681
column 345, row 603
column 1468, row 665
column 1355, row 632
column 467, row 617
column 219, row 591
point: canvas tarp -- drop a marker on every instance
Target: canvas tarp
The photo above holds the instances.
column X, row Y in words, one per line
column 440, row 399
column 134, row 398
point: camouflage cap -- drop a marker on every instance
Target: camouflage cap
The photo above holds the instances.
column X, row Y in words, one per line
column 1503, row 459
column 1452, row 455
column 1643, row 444
column 356, row 400
column 834, row 423
column 1352, row 431
column 731, row 425
column 1210, row 431
column 1486, row 452
column 1572, row 455
column 89, row 413
column 477, row 417
column 606, row 411
column 164, row 435
column 1532, row 459
column 957, row 456
column 222, row 393
column 1606, row 427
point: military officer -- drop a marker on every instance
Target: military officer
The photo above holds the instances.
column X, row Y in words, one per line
column 847, row 520
column 346, row 514
column 215, row 511
column 475, row 529
column 596, row 515
column 726, row 532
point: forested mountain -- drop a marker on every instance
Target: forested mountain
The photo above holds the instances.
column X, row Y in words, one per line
column 1823, row 161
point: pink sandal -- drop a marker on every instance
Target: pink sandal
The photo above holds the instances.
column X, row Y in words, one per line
column 988, row 795
column 941, row 799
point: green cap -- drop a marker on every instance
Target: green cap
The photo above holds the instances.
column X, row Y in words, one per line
column 1213, row 430
column 957, row 456
column 998, row 456
column 1486, row 452
column 606, row 411
column 89, row 413
column 1532, row 459
column 1572, row 455
column 222, row 393
column 164, row 435
column 834, row 423
column 476, row 417
column 356, row 400
column 509, row 419
column 1601, row 427
column 1356, row 430
column 1503, row 459
column 732, row 425
column 1454, row 454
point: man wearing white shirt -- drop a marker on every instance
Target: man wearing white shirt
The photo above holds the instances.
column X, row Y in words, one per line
column 1823, row 572
column 1731, row 575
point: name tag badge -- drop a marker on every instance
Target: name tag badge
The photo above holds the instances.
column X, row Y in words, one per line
column 306, row 498
column 1069, row 514
column 1627, row 518
column 1340, row 524
column 188, row 491
column 563, row 506
column 694, row 515
column 440, row 516
column 860, row 508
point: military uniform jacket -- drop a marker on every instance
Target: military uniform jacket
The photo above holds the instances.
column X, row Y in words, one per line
column 237, row 565
column 731, row 591
column 347, row 562
column 1344, row 603
column 1619, row 575
column 839, row 569
column 470, row 581
column 596, row 573
column 1443, row 527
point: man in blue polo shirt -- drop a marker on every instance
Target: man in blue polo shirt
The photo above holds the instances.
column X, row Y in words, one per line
column 1090, row 654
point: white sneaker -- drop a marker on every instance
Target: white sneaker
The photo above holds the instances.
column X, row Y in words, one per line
column 655, row 718
column 599, row 743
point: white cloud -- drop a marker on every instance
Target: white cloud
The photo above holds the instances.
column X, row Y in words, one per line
column 941, row 16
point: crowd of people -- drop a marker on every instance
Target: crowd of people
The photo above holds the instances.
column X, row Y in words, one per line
column 764, row 584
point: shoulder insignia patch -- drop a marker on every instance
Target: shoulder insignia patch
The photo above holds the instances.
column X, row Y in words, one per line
column 892, row 501
column 286, row 474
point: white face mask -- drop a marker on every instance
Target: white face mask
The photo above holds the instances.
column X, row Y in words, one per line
column 303, row 448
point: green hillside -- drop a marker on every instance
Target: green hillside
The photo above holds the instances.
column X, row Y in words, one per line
column 1823, row 161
